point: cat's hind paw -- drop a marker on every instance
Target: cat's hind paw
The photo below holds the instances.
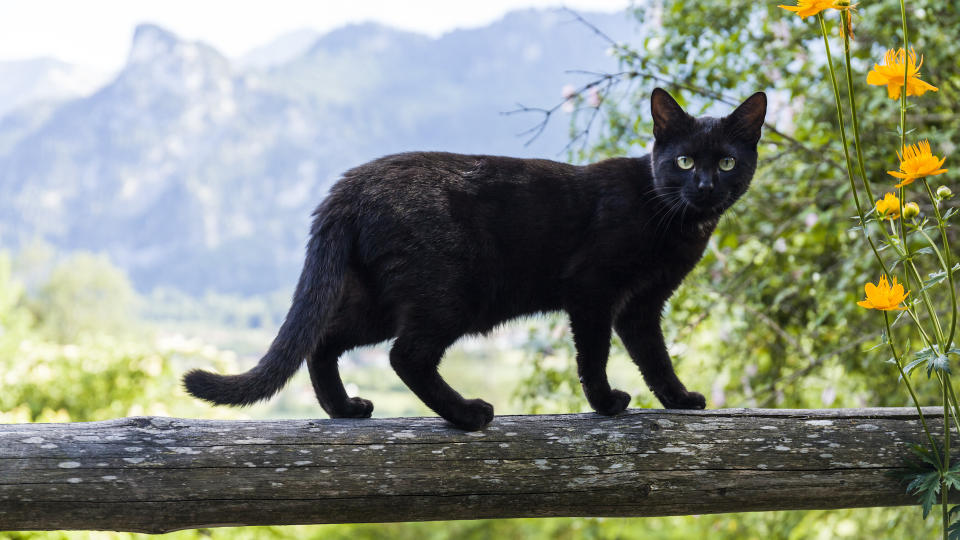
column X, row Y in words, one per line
column 613, row 403
column 355, row 408
column 474, row 414
column 689, row 400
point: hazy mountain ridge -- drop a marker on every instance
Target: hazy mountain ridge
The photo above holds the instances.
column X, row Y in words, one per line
column 199, row 172
column 43, row 80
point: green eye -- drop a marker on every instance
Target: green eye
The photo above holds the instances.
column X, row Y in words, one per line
column 727, row 163
column 685, row 162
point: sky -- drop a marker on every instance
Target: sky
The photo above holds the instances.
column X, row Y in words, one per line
column 97, row 33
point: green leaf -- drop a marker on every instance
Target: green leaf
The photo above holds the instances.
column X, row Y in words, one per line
column 898, row 317
column 940, row 363
column 953, row 531
column 953, row 510
column 928, row 489
column 952, row 478
column 933, row 358
column 913, row 364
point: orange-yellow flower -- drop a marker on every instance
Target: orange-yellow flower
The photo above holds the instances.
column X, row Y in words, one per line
column 917, row 161
column 890, row 73
column 883, row 296
column 888, row 207
column 806, row 8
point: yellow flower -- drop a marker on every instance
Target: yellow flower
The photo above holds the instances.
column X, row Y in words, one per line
column 888, row 207
column 806, row 8
column 917, row 161
column 882, row 296
column 890, row 73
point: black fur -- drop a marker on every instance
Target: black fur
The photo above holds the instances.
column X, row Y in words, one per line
column 427, row 247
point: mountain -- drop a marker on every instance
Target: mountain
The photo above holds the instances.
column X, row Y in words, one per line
column 197, row 172
column 280, row 50
column 43, row 80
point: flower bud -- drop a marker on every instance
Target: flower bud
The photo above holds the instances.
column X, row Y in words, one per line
column 943, row 192
column 911, row 210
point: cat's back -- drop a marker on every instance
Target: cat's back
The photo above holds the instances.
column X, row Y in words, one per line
column 441, row 188
column 425, row 172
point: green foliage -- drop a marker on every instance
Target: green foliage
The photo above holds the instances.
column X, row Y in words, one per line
column 63, row 359
column 85, row 292
column 922, row 476
column 15, row 320
column 775, row 295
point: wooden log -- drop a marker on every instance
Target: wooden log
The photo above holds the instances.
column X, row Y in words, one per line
column 153, row 474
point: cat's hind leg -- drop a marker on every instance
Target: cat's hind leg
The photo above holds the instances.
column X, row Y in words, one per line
column 325, row 377
column 355, row 323
column 415, row 356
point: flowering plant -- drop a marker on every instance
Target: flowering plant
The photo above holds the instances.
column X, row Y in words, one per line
column 902, row 238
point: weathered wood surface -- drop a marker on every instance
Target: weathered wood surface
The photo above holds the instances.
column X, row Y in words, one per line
column 152, row 474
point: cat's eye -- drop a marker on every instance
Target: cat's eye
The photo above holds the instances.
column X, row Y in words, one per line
column 685, row 162
column 727, row 163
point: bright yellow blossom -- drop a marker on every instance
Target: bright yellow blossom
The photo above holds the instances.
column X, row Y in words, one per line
column 917, row 161
column 883, row 296
column 806, row 8
column 890, row 73
column 888, row 207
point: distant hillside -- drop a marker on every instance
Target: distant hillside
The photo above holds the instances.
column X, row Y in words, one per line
column 194, row 171
column 27, row 82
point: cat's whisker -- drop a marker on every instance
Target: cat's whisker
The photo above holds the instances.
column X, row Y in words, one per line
column 664, row 209
column 667, row 216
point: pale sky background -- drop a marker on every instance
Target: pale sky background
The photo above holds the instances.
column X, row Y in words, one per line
column 97, row 33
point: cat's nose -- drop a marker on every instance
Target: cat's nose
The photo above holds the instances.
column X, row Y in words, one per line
column 705, row 185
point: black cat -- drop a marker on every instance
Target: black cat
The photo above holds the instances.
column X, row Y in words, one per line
column 426, row 247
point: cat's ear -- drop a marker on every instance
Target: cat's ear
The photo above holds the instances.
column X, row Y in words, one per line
column 668, row 116
column 746, row 121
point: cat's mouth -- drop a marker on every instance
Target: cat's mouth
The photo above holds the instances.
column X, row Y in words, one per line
column 712, row 206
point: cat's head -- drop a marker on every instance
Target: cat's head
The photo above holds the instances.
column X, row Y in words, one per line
column 703, row 165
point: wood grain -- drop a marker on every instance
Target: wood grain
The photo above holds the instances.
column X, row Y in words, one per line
column 153, row 474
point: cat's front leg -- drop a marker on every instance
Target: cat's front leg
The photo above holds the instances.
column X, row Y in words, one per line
column 591, row 335
column 638, row 326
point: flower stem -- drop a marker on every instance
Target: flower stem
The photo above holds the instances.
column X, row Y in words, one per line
column 945, row 462
column 944, row 383
column 853, row 104
column 925, row 296
column 956, row 407
column 846, row 147
column 913, row 395
column 843, row 129
column 903, row 140
column 946, row 259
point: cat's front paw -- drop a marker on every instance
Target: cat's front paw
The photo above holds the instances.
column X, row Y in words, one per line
column 688, row 400
column 613, row 403
column 355, row 407
column 474, row 414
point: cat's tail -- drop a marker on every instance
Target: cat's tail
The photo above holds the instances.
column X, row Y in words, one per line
column 316, row 295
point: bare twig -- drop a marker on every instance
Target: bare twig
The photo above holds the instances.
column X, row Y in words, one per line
column 611, row 79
